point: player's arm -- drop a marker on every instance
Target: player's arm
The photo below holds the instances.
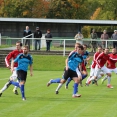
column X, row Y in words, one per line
column 98, row 59
column 88, row 58
column 31, row 70
column 12, row 65
column 7, row 59
column 66, row 63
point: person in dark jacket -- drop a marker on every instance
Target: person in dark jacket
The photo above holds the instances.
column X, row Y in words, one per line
column 48, row 35
column 26, row 33
column 37, row 34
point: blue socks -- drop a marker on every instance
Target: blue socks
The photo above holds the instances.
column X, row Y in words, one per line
column 15, row 83
column 68, row 81
column 75, row 88
column 56, row 80
column 22, row 91
column 83, row 76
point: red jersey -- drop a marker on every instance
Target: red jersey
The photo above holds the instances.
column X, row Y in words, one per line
column 111, row 63
column 83, row 66
column 12, row 55
column 94, row 59
column 72, row 52
column 101, row 59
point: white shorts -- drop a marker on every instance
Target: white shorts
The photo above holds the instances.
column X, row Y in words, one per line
column 113, row 70
column 78, row 72
column 97, row 71
column 14, row 74
column 92, row 71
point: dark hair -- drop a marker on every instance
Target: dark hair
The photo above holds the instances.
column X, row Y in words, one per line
column 48, row 29
column 26, row 46
column 81, row 47
column 19, row 42
column 84, row 45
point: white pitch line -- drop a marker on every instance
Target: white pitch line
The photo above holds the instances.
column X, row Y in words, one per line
column 4, row 78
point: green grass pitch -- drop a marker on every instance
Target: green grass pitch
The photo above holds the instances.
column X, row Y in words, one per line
column 96, row 101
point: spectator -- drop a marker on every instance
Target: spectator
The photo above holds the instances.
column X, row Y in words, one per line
column 48, row 41
column 104, row 36
column 79, row 38
column 93, row 43
column 26, row 33
column 114, row 37
column 37, row 34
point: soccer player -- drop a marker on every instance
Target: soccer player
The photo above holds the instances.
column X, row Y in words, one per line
column 100, row 65
column 70, row 70
column 111, row 65
column 86, row 56
column 78, row 72
column 81, row 72
column 23, row 61
column 11, row 56
column 94, row 64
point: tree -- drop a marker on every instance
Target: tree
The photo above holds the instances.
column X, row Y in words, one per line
column 24, row 8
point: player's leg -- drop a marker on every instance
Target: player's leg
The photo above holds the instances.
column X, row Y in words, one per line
column 96, row 74
column 108, row 73
column 53, row 81
column 22, row 75
column 75, row 91
column 91, row 74
column 79, row 74
column 5, row 87
column 12, row 77
column 67, row 82
column 60, row 81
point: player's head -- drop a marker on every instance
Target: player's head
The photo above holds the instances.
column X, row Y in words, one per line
column 99, row 49
column 76, row 45
column 106, row 50
column 18, row 45
column 80, row 49
column 84, row 46
column 25, row 49
column 114, row 51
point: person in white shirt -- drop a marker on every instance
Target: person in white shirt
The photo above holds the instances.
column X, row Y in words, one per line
column 79, row 38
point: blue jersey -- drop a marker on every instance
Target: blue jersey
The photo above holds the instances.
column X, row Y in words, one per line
column 85, row 55
column 23, row 61
column 73, row 60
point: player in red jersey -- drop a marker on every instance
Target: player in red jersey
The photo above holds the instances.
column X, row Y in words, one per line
column 100, row 65
column 93, row 65
column 111, row 65
column 11, row 56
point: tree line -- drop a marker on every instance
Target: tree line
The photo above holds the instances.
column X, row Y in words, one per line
column 60, row 9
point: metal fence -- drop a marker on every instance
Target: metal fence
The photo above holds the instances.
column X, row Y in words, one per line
column 57, row 42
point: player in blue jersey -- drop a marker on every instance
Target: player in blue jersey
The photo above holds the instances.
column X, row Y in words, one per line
column 70, row 70
column 85, row 55
column 23, row 60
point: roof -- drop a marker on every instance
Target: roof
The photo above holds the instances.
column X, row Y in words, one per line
column 58, row 20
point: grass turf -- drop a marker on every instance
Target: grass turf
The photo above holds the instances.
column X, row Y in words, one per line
column 96, row 101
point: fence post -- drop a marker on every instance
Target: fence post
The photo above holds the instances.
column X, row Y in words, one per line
column 0, row 39
column 106, row 44
column 64, row 48
column 22, row 40
column 32, row 41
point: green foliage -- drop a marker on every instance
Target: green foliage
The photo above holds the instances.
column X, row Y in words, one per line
column 68, row 9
